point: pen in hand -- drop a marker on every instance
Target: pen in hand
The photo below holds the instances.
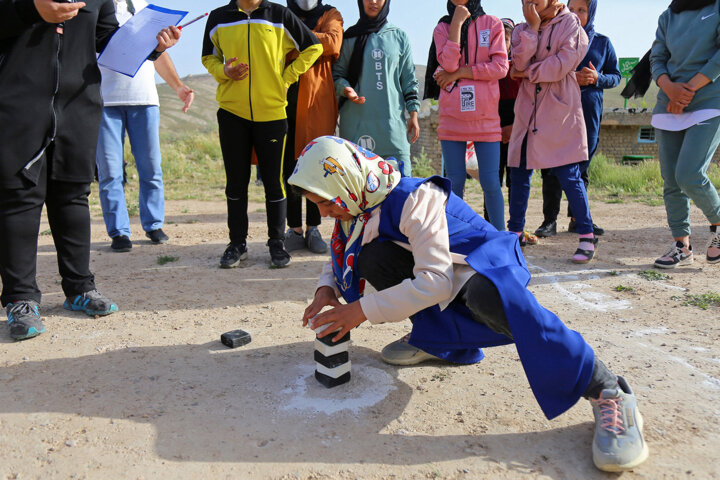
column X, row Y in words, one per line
column 193, row 20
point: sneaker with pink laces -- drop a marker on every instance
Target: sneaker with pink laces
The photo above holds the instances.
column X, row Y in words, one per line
column 618, row 444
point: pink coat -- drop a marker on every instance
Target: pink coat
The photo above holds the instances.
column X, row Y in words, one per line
column 470, row 111
column 548, row 108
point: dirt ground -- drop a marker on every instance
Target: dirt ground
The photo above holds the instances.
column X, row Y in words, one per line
column 150, row 393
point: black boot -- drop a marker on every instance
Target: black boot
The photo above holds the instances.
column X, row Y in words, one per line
column 547, row 229
column 276, row 217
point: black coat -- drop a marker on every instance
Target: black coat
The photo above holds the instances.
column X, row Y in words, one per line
column 35, row 62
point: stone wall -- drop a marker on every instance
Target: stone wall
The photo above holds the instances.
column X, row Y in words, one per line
column 618, row 136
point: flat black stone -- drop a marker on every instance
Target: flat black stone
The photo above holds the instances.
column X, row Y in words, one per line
column 330, row 382
column 333, row 360
column 236, row 338
column 327, row 340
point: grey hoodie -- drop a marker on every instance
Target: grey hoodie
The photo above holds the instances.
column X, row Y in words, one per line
column 687, row 43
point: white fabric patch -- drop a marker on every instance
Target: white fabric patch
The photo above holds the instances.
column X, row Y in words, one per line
column 682, row 121
column 467, row 98
column 484, row 38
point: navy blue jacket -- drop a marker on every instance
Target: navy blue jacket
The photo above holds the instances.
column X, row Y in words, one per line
column 557, row 361
column 602, row 55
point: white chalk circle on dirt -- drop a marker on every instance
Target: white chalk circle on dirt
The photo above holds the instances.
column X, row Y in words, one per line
column 368, row 386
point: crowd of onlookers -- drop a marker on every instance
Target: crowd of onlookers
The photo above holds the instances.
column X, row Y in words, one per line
column 526, row 97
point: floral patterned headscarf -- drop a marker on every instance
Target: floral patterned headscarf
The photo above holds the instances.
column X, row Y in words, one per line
column 356, row 180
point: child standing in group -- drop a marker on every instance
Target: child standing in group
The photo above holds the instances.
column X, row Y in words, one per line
column 431, row 257
column 549, row 129
column 685, row 61
column 470, row 57
column 312, row 112
column 244, row 49
column 375, row 79
column 597, row 72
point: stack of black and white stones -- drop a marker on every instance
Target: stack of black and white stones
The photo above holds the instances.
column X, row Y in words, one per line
column 332, row 360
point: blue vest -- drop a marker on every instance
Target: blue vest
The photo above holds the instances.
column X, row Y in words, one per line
column 557, row 360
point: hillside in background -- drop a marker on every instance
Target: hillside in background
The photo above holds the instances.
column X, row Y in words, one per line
column 202, row 116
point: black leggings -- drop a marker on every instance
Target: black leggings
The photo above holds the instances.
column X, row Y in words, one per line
column 386, row 264
column 294, row 202
column 69, row 217
column 238, row 138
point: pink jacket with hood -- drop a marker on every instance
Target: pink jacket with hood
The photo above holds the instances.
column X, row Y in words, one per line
column 470, row 111
column 548, row 108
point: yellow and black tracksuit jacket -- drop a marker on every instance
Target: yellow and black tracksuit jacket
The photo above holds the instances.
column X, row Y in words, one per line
column 262, row 39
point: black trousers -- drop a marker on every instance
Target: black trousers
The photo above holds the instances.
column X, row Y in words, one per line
column 69, row 217
column 552, row 194
column 238, row 138
column 294, row 202
column 386, row 264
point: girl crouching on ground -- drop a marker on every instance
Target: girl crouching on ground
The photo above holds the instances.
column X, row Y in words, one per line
column 431, row 257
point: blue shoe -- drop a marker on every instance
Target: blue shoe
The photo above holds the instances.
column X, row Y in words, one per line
column 618, row 444
column 92, row 302
column 24, row 319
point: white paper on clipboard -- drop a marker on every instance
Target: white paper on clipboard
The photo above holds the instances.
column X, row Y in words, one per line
column 131, row 44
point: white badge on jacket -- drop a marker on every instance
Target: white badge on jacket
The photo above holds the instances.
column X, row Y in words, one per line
column 467, row 98
column 484, row 38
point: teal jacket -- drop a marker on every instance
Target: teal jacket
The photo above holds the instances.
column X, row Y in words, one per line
column 389, row 85
column 687, row 43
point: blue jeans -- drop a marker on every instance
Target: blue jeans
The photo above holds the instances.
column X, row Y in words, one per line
column 571, row 183
column 488, row 156
column 142, row 124
column 684, row 160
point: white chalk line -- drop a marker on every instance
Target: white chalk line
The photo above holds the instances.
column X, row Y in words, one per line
column 709, row 380
column 649, row 331
column 588, row 300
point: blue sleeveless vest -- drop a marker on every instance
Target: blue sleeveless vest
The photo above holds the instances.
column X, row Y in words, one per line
column 557, row 361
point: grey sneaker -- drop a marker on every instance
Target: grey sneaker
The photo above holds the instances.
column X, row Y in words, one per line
column 618, row 444
column 314, row 241
column 400, row 352
column 24, row 319
column 678, row 255
column 92, row 303
column 293, row 240
column 714, row 243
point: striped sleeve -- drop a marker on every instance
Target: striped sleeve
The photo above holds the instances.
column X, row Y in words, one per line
column 212, row 56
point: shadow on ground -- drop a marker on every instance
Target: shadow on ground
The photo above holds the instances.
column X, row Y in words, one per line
column 208, row 403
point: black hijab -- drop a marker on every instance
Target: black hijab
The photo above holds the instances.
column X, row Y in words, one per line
column 642, row 74
column 362, row 30
column 309, row 17
column 678, row 6
column 432, row 89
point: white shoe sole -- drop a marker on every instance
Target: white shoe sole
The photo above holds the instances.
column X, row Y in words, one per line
column 681, row 263
column 634, row 463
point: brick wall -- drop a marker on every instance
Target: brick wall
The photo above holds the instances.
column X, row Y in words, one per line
column 428, row 141
column 619, row 140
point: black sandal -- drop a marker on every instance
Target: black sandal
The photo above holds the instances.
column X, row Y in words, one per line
column 588, row 254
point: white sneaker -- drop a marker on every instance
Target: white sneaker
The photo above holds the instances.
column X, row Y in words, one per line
column 618, row 443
